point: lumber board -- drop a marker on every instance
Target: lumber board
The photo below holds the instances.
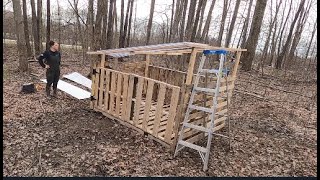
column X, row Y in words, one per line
column 125, row 93
column 191, row 66
column 147, row 65
column 129, row 99
column 96, row 89
column 106, row 98
column 148, row 104
column 101, row 87
column 172, row 113
column 119, row 88
column 159, row 107
column 113, row 89
column 138, row 100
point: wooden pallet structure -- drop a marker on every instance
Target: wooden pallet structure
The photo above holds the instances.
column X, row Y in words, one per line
column 153, row 99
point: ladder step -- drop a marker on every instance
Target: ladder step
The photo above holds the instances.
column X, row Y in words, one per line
column 200, row 128
column 208, row 110
column 204, row 89
column 209, row 70
column 192, row 146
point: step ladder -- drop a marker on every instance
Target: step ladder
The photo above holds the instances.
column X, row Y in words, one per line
column 219, row 73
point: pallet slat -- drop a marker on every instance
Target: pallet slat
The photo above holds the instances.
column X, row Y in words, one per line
column 101, row 87
column 148, row 104
column 106, row 98
column 125, row 93
column 119, row 88
column 160, row 102
column 113, row 89
column 129, row 99
column 172, row 113
column 138, row 100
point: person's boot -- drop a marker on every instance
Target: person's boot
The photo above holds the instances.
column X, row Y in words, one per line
column 48, row 91
column 55, row 93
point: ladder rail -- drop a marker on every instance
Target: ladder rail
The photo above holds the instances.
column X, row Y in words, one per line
column 219, row 73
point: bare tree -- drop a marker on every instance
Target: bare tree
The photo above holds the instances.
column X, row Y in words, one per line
column 273, row 20
column 35, row 29
column 254, row 35
column 121, row 38
column 207, row 23
column 233, row 20
column 25, row 25
column 198, row 36
column 281, row 56
column 312, row 36
column 130, row 22
column 297, row 35
column 190, row 22
column 150, row 22
column 110, row 25
column 48, row 24
column 39, row 24
column 223, row 20
column 90, row 24
column 22, row 50
column 245, row 26
column 104, row 27
column 97, row 25
column 196, row 21
column 182, row 22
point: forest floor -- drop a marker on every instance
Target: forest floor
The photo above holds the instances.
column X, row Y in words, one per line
column 272, row 135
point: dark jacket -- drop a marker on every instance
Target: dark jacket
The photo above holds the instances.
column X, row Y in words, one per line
column 53, row 59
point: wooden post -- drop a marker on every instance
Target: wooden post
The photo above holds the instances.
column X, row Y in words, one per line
column 235, row 68
column 191, row 66
column 147, row 65
column 103, row 60
column 234, row 72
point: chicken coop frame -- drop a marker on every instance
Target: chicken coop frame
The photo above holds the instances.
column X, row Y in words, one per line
column 155, row 101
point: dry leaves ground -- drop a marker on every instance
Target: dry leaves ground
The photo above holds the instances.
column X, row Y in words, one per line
column 63, row 137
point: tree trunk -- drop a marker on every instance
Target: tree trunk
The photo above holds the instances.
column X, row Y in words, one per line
column 130, row 22
column 192, row 9
column 207, row 23
column 196, row 21
column 198, row 35
column 281, row 56
column 150, row 22
column 115, row 28
column 312, row 36
column 90, row 37
column 233, row 20
column 121, row 37
column 176, row 20
column 35, row 29
column 297, row 35
column 48, row 24
column 39, row 23
column 105, row 24
column 97, row 26
column 21, row 44
column 110, row 26
column 223, row 20
column 273, row 19
column 254, row 35
column 245, row 26
column 182, row 22
column 126, row 22
column 25, row 25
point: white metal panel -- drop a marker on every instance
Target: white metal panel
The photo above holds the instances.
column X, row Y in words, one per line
column 80, row 79
column 71, row 89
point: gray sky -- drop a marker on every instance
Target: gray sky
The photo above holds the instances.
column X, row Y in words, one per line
column 163, row 7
